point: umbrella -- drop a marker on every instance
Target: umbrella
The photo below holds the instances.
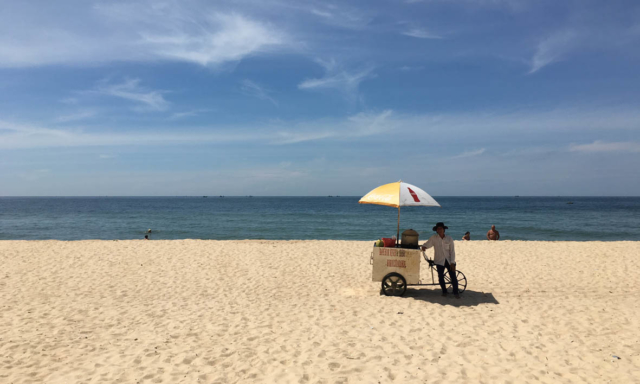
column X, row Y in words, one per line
column 398, row 195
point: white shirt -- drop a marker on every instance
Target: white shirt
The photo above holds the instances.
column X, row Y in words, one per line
column 443, row 249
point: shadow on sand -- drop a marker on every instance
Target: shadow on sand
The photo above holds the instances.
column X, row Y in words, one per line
column 469, row 298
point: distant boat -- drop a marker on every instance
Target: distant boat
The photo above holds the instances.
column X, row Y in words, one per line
column 204, row 197
column 570, row 202
column 517, row 196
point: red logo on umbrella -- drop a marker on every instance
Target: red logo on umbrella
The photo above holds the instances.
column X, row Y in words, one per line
column 413, row 194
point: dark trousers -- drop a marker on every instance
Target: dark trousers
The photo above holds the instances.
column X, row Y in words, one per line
column 452, row 276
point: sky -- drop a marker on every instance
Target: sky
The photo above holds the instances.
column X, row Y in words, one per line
column 247, row 97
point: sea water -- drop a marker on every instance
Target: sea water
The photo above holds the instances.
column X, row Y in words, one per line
column 340, row 218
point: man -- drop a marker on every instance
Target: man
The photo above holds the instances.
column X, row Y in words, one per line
column 444, row 255
column 493, row 234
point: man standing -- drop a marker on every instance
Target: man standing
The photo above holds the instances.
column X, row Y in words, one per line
column 444, row 255
column 493, row 234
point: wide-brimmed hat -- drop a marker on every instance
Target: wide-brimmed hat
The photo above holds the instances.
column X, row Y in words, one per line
column 440, row 224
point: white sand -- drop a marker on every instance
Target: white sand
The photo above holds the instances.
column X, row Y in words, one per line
column 306, row 311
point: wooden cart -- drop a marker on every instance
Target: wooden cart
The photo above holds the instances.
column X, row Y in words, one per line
column 397, row 268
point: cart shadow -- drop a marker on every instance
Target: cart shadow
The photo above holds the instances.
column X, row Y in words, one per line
column 468, row 298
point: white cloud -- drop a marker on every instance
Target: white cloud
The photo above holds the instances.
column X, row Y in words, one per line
column 438, row 130
column 80, row 115
column 214, row 40
column 130, row 89
column 512, row 5
column 601, row 146
column 320, row 13
column 250, row 88
column 338, row 79
column 294, row 137
column 477, row 152
column 27, row 130
column 537, row 151
column 16, row 136
column 553, row 49
column 357, row 126
column 410, row 68
column 190, row 113
column 70, row 100
column 577, row 119
column 421, row 34
column 80, row 33
column 341, row 16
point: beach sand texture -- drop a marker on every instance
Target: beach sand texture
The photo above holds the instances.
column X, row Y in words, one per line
column 189, row 311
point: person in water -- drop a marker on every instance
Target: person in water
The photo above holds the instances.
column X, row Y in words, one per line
column 467, row 236
column 444, row 255
column 493, row 234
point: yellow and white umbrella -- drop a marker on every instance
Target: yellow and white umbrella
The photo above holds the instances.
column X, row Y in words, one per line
column 398, row 195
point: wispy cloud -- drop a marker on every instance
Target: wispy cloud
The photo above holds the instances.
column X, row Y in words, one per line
column 357, row 126
column 421, row 34
column 190, row 113
column 8, row 129
column 560, row 120
column 512, row 5
column 80, row 115
column 411, row 68
column 16, row 136
column 466, row 154
column 320, row 13
column 130, row 89
column 337, row 78
column 195, row 32
column 341, row 16
column 213, row 40
column 250, row 88
column 438, row 129
column 601, row 146
column 553, row 49
column 70, row 100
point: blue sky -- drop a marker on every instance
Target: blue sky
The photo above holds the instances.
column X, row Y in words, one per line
column 244, row 97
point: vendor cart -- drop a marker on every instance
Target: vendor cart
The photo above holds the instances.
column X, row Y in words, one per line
column 398, row 268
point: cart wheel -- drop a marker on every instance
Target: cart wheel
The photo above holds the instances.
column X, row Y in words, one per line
column 394, row 284
column 462, row 281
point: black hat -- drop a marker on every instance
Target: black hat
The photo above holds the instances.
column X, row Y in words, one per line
column 440, row 224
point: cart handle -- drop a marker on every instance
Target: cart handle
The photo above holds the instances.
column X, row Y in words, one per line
column 427, row 259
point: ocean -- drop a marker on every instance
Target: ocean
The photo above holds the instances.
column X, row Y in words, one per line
column 292, row 218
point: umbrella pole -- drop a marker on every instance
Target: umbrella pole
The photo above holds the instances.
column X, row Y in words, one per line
column 398, row 235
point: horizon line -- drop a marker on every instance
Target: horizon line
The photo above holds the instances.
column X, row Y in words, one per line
column 252, row 196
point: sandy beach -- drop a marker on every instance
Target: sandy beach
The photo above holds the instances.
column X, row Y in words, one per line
column 191, row 311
